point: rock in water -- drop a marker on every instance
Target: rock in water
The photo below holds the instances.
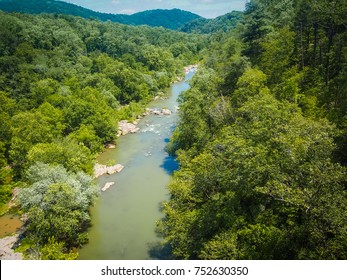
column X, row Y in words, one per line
column 125, row 127
column 107, row 186
column 100, row 169
column 110, row 146
column 166, row 112
column 156, row 112
column 136, row 129
column 114, row 169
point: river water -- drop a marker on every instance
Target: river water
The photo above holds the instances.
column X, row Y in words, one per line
column 9, row 224
column 124, row 217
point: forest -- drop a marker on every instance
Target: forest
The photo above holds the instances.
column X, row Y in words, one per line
column 219, row 24
column 261, row 140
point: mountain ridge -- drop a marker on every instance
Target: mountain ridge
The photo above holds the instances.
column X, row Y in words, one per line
column 205, row 26
column 171, row 19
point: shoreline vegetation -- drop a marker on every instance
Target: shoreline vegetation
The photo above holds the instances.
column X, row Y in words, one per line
column 8, row 242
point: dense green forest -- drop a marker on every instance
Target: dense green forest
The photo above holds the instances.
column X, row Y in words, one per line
column 65, row 82
column 172, row 19
column 205, row 26
column 262, row 140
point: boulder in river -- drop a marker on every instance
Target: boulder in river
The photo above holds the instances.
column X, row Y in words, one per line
column 107, row 186
column 125, row 127
column 136, row 129
column 110, row 146
column 158, row 112
column 100, row 169
column 166, row 112
column 190, row 68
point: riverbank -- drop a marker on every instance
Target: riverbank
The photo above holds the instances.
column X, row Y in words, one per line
column 126, row 126
column 190, row 68
column 6, row 248
column 10, row 225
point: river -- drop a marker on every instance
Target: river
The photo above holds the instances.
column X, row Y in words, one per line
column 124, row 217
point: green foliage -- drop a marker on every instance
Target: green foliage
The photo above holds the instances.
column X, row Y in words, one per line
column 57, row 203
column 86, row 136
column 56, row 251
column 278, row 48
column 130, row 111
column 251, row 83
column 6, row 174
column 68, row 153
column 206, row 26
column 195, row 119
column 30, row 128
column 245, row 194
column 261, row 170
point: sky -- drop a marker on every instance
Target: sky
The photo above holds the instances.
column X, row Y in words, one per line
column 205, row 8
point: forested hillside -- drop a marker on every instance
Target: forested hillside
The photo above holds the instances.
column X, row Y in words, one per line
column 262, row 140
column 172, row 19
column 205, row 26
column 65, row 82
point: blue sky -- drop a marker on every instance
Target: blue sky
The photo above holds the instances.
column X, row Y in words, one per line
column 205, row 8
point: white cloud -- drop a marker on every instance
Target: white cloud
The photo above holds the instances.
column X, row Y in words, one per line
column 127, row 11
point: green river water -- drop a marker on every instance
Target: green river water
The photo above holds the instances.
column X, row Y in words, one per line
column 124, row 217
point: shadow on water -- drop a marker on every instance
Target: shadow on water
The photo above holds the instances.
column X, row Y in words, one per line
column 170, row 164
column 159, row 251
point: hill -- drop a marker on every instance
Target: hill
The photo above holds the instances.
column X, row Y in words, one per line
column 172, row 19
column 206, row 26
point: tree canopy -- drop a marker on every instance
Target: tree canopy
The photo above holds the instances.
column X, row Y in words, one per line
column 261, row 140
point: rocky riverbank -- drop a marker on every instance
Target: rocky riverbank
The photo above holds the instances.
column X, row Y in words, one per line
column 125, row 127
column 6, row 248
column 190, row 68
